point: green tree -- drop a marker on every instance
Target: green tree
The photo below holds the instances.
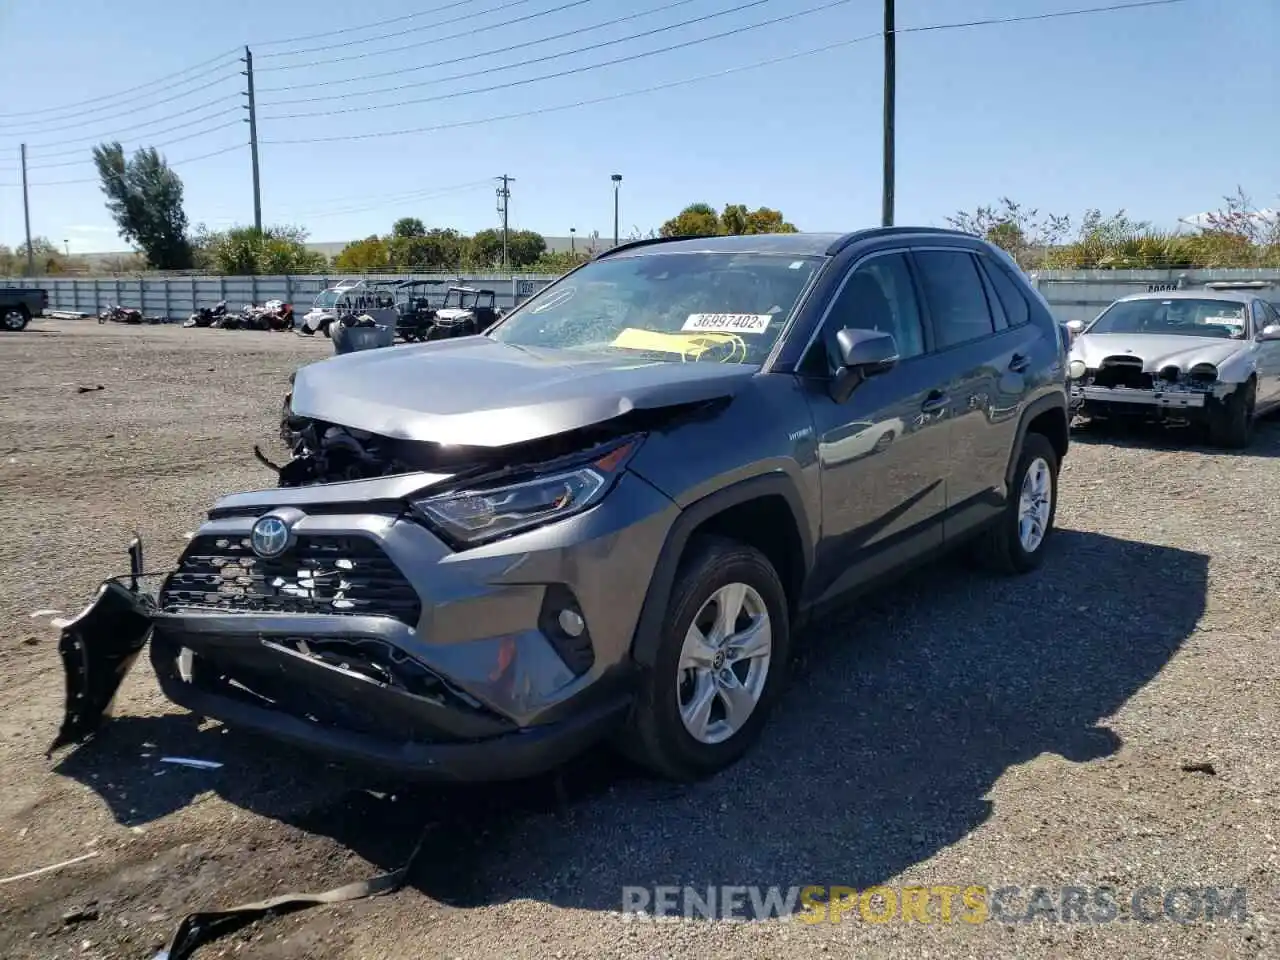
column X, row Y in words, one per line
column 409, row 227
column 695, row 220
column 48, row 259
column 363, row 256
column 241, row 251
column 144, row 197
column 701, row 220
column 434, row 249
column 524, row 247
column 1022, row 233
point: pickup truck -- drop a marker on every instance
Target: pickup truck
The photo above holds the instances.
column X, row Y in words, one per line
column 19, row 304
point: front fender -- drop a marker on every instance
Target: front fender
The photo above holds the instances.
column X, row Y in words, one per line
column 648, row 634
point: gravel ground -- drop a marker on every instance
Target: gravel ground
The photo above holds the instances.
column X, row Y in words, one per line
column 959, row 729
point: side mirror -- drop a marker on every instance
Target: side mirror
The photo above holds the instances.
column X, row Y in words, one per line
column 863, row 354
column 1074, row 327
column 1270, row 332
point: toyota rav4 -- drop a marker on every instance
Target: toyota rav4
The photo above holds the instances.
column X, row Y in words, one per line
column 605, row 516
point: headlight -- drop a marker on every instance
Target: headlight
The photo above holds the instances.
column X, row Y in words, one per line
column 474, row 516
column 1077, row 369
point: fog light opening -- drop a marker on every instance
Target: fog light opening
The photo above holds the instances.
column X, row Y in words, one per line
column 571, row 622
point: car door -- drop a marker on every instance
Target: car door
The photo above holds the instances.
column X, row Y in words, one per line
column 883, row 451
column 987, row 362
column 1265, row 315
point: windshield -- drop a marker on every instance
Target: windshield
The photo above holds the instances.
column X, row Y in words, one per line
column 1223, row 319
column 721, row 307
column 326, row 299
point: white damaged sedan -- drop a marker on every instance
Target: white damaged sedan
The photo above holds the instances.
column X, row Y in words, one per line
column 1205, row 357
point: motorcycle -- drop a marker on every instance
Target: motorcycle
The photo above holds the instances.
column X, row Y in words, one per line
column 118, row 314
column 207, row 316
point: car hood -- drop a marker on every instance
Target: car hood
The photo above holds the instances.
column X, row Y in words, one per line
column 452, row 313
column 1155, row 351
column 477, row 391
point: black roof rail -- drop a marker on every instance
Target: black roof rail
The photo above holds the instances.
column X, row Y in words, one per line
column 649, row 241
column 870, row 232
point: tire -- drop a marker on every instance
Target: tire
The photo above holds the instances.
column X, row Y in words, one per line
column 1231, row 419
column 15, row 319
column 324, row 328
column 656, row 735
column 1003, row 547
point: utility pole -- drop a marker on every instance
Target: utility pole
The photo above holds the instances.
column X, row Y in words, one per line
column 26, row 214
column 573, row 236
column 253, row 139
column 617, row 184
column 504, row 197
column 890, row 83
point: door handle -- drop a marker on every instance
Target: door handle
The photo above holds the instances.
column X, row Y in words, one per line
column 1019, row 363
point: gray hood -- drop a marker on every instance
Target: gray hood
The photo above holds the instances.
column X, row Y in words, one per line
column 1156, row 351
column 476, row 391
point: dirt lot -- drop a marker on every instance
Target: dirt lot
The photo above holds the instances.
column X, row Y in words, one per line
column 959, row 730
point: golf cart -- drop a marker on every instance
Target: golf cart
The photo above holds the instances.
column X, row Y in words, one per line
column 466, row 311
column 415, row 309
column 373, row 297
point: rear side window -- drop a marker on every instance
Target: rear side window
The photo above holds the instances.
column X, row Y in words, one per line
column 1011, row 297
column 957, row 300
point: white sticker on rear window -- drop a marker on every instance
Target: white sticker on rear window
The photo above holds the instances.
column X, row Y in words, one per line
column 727, row 322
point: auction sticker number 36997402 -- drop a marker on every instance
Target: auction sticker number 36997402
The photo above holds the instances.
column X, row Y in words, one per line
column 727, row 322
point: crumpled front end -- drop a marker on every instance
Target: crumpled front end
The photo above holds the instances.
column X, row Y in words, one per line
column 1158, row 381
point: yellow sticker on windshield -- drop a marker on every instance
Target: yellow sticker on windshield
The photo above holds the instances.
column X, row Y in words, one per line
column 727, row 322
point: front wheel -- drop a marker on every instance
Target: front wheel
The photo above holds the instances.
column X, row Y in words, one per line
column 15, row 319
column 1016, row 542
column 324, row 328
column 1231, row 419
column 719, row 666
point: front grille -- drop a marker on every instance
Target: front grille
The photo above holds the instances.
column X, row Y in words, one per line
column 1123, row 372
column 319, row 575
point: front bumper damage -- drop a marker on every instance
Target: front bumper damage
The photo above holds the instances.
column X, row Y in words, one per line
column 1163, row 402
column 345, row 690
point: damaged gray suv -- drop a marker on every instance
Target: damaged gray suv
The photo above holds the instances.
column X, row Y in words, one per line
column 604, row 518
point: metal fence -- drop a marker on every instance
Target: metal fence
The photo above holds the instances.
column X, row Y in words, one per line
column 175, row 298
column 1073, row 294
column 1082, row 294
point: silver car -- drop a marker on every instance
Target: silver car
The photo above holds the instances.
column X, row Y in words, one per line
column 1206, row 357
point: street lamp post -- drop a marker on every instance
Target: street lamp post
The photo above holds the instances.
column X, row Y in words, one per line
column 617, row 182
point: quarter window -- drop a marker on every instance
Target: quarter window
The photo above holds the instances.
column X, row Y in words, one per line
column 957, row 301
column 1011, row 298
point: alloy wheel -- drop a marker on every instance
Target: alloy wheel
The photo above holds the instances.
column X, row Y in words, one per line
column 724, row 663
column 1034, row 505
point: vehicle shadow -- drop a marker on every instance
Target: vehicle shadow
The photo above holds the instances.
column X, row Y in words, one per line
column 1152, row 436
column 901, row 715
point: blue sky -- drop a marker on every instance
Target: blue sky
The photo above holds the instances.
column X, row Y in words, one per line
column 1160, row 111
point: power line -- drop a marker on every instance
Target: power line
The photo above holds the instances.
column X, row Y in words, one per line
column 995, row 21
column 685, row 81
column 518, row 46
column 157, row 146
column 143, row 108
column 5, row 120
column 487, row 53
column 384, row 201
column 154, row 133
column 171, row 163
column 539, row 111
column 375, row 23
column 830, row 4
column 384, row 51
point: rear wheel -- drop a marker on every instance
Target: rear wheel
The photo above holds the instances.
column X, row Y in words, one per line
column 1016, row 541
column 15, row 318
column 1231, row 419
column 719, row 666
